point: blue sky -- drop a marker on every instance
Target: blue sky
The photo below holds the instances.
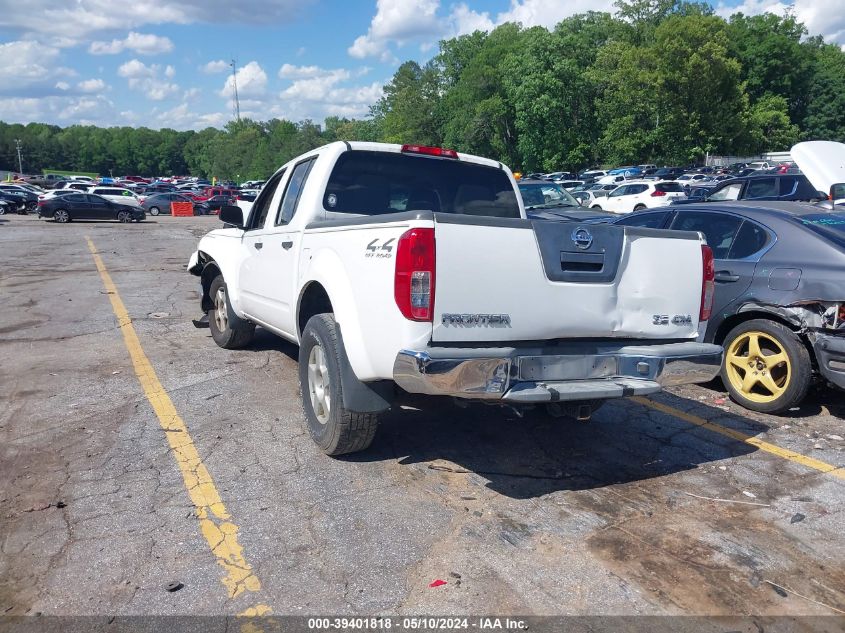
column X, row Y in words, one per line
column 164, row 63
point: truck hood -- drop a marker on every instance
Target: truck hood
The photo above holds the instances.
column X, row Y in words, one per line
column 823, row 162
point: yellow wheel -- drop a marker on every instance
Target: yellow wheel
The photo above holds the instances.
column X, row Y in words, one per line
column 766, row 366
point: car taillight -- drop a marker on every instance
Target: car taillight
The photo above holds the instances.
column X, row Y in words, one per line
column 429, row 151
column 413, row 285
column 708, row 282
column 41, row 203
column 656, row 193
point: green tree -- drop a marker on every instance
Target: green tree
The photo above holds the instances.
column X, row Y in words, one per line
column 825, row 118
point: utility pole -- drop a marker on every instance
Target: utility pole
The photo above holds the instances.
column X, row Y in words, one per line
column 20, row 162
column 236, row 105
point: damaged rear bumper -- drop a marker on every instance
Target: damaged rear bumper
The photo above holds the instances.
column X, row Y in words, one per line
column 830, row 355
column 566, row 372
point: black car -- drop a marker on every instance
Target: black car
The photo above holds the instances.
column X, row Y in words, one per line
column 14, row 204
column 214, row 203
column 668, row 173
column 787, row 187
column 29, row 198
column 779, row 306
column 86, row 206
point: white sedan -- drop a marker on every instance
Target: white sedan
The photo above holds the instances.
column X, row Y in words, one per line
column 117, row 194
column 641, row 194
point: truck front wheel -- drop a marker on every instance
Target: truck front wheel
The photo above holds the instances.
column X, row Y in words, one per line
column 228, row 330
column 335, row 429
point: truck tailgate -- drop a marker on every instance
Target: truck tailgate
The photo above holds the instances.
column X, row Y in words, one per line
column 518, row 280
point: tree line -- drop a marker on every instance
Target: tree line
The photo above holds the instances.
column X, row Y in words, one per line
column 659, row 81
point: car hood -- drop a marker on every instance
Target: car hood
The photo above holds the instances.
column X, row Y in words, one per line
column 823, row 162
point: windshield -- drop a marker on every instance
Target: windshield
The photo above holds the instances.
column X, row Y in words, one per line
column 828, row 225
column 545, row 195
column 375, row 183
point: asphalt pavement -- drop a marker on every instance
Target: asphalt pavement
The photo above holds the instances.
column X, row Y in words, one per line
column 683, row 503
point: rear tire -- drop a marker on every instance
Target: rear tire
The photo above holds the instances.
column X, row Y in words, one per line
column 335, row 429
column 154, row 210
column 228, row 330
column 596, row 207
column 61, row 216
column 766, row 367
column 639, row 207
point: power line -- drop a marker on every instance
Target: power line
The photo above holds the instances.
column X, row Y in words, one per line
column 20, row 161
column 236, row 104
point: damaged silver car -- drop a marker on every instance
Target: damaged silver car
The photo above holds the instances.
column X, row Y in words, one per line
column 779, row 307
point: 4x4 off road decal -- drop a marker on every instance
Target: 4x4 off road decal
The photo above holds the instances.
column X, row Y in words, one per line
column 382, row 251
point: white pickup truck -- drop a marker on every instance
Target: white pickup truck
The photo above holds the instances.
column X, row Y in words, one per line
column 416, row 267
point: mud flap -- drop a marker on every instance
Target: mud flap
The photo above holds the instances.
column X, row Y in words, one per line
column 361, row 397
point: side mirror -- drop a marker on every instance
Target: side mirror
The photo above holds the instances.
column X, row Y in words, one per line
column 837, row 192
column 232, row 215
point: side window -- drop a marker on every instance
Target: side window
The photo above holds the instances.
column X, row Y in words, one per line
column 94, row 199
column 728, row 192
column 645, row 220
column 636, row 189
column 787, row 186
column 750, row 240
column 619, row 191
column 290, row 200
column 262, row 203
column 762, row 188
column 74, row 197
column 719, row 229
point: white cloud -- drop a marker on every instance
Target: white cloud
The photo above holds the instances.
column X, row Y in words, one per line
column 27, row 60
column 821, row 17
column 397, row 21
column 91, row 85
column 146, row 79
column 214, row 67
column 252, row 81
column 64, row 110
column 289, row 71
column 182, row 117
column 62, row 85
column 75, row 21
column 141, row 43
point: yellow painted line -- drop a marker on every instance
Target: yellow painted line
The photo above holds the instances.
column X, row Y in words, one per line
column 216, row 525
column 784, row 453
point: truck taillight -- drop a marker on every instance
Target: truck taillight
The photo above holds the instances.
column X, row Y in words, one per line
column 429, row 151
column 708, row 282
column 413, row 284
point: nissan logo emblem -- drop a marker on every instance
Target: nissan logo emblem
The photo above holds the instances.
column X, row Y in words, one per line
column 582, row 238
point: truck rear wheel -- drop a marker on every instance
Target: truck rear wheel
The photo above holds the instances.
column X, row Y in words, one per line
column 335, row 429
column 228, row 330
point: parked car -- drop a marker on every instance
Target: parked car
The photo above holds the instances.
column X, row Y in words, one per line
column 636, row 195
column 116, row 194
column 215, row 203
column 790, row 187
column 29, row 198
column 356, row 253
column 569, row 184
column 160, row 203
column 779, row 307
column 629, row 172
column 688, row 179
column 86, row 206
column 542, row 194
column 12, row 203
column 668, row 173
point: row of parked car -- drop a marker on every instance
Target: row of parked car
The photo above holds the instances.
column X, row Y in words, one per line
column 779, row 306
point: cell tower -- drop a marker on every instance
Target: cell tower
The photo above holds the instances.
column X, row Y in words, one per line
column 236, row 104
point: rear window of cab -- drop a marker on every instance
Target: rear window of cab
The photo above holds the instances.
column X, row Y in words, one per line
column 376, row 183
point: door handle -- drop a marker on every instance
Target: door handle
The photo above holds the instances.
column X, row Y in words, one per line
column 259, row 245
column 726, row 276
column 287, row 245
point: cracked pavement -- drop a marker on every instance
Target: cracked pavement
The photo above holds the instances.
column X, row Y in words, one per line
column 529, row 515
